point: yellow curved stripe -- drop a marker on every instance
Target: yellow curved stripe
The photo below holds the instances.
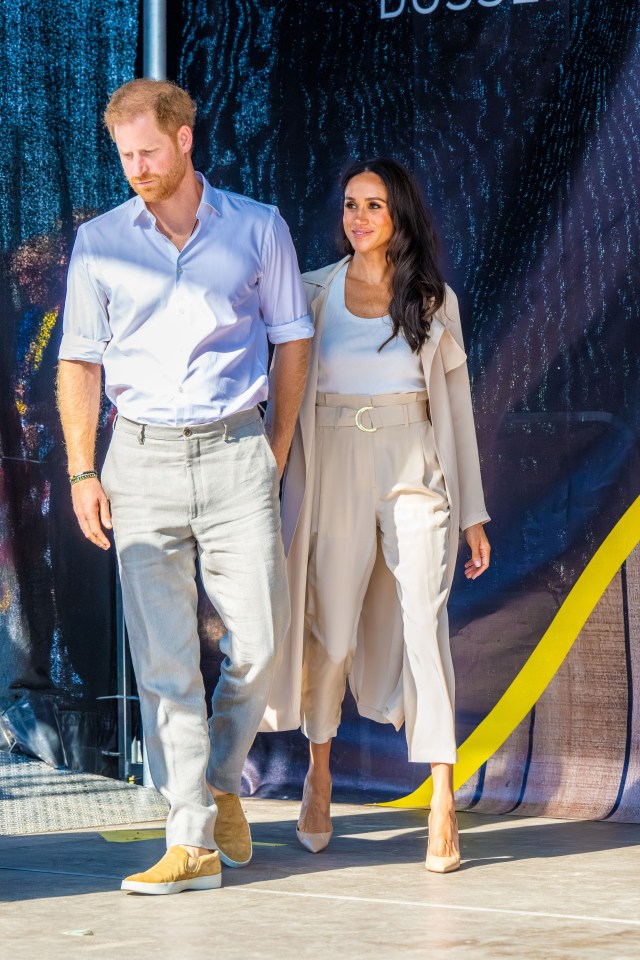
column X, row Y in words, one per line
column 544, row 662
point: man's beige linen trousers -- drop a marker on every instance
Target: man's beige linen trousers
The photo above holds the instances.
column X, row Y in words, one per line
column 378, row 481
column 204, row 495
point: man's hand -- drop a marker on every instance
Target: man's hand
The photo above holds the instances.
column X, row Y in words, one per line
column 280, row 451
column 480, row 552
column 290, row 366
column 92, row 510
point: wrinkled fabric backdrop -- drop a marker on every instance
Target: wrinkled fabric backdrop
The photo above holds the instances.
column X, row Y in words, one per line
column 520, row 119
column 60, row 60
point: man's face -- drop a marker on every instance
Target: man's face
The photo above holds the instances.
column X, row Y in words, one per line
column 154, row 163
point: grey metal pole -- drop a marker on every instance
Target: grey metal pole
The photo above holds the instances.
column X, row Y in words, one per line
column 154, row 39
column 154, row 65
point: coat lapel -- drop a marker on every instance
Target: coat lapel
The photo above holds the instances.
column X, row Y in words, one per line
column 451, row 352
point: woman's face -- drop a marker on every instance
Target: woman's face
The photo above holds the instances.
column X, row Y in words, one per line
column 366, row 218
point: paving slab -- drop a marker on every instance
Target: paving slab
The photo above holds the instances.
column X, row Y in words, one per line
column 528, row 888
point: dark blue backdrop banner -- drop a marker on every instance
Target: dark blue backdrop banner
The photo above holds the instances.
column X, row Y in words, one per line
column 60, row 61
column 521, row 122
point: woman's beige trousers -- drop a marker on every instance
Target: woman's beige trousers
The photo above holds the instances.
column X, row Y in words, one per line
column 378, row 485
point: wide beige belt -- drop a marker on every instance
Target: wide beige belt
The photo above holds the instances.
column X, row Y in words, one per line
column 370, row 413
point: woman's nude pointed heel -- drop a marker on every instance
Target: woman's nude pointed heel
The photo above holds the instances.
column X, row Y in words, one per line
column 442, row 864
column 313, row 842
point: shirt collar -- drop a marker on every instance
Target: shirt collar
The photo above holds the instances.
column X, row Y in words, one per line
column 209, row 195
column 209, row 200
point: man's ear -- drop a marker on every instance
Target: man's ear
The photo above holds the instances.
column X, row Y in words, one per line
column 185, row 139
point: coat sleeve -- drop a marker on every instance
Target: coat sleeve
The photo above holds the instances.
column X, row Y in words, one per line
column 472, row 506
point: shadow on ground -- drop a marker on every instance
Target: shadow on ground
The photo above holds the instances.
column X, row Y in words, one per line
column 60, row 865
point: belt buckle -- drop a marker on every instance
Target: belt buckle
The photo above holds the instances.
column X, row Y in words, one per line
column 359, row 423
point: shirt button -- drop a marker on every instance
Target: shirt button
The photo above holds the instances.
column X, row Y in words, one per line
column 180, row 389
column 179, row 271
column 187, row 432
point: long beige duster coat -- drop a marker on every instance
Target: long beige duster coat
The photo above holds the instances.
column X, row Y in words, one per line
column 378, row 695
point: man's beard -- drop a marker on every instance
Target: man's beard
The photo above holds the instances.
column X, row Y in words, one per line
column 162, row 186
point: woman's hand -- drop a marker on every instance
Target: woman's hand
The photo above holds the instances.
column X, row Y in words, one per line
column 480, row 551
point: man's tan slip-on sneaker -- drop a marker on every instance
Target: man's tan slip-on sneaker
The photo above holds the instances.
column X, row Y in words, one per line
column 178, row 871
column 231, row 831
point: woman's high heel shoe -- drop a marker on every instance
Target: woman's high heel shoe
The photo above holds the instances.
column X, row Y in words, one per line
column 313, row 842
column 443, row 864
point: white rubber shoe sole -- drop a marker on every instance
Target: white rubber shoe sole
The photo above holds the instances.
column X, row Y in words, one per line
column 233, row 863
column 176, row 886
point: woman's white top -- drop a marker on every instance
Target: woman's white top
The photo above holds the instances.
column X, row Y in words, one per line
column 349, row 358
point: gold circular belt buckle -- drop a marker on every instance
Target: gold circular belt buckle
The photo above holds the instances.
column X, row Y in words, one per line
column 360, row 425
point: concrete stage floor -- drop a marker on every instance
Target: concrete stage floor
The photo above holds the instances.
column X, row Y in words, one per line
column 528, row 889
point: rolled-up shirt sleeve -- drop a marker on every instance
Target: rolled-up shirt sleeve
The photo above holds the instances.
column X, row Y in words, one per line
column 86, row 330
column 282, row 299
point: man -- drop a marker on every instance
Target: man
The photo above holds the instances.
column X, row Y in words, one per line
column 175, row 293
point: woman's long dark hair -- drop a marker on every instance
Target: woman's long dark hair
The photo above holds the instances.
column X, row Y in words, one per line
column 417, row 286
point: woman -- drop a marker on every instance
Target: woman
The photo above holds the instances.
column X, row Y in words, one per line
column 383, row 470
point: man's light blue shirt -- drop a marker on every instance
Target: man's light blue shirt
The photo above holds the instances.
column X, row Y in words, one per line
column 183, row 334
